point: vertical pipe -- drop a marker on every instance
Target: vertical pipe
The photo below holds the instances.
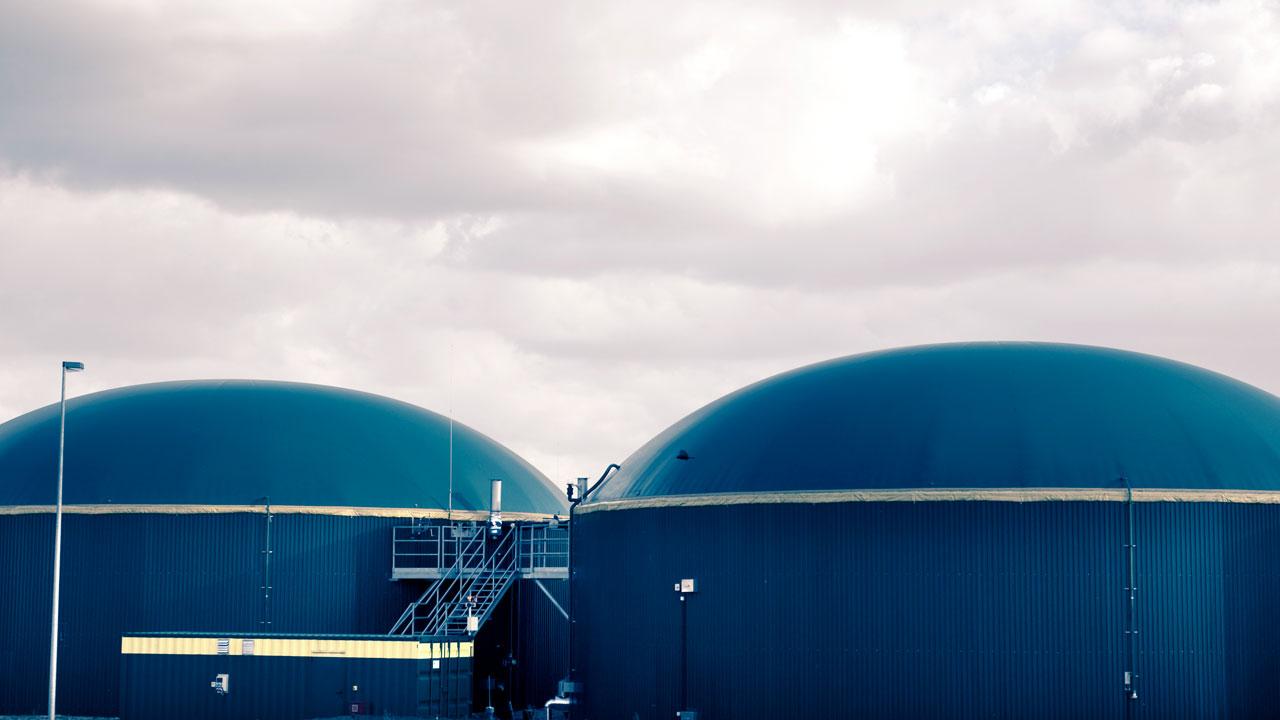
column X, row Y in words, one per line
column 583, row 492
column 57, row 555
column 1131, row 674
column 495, row 507
column 573, row 616
column 450, row 513
column 684, row 654
column 450, row 500
column 266, row 572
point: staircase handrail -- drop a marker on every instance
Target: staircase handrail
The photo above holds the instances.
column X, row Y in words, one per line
column 500, row 562
column 406, row 624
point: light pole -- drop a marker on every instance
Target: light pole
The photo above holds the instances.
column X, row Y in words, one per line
column 67, row 366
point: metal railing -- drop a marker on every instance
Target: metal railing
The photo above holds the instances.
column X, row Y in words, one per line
column 471, row 570
column 438, row 548
column 477, row 595
column 422, row 612
column 543, row 547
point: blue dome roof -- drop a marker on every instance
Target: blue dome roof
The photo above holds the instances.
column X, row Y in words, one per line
column 981, row 415
column 234, row 442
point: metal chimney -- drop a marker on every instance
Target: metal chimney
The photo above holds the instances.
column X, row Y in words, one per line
column 495, row 507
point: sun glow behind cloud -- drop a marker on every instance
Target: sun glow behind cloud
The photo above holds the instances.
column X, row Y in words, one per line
column 573, row 223
column 779, row 121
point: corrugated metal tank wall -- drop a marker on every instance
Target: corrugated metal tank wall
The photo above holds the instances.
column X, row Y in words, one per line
column 542, row 640
column 930, row 610
column 189, row 572
column 528, row 627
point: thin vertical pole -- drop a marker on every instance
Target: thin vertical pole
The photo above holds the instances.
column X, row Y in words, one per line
column 1131, row 672
column 573, row 597
column 573, row 617
column 684, row 654
column 584, row 491
column 266, row 572
column 57, row 556
column 450, row 513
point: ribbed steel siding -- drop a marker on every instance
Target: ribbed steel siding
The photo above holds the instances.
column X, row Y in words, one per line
column 1208, row 593
column 526, row 626
column 542, row 641
column 930, row 610
column 26, row 576
column 135, row 573
column 164, row 687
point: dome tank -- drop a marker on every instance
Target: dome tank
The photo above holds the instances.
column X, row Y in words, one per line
column 968, row 530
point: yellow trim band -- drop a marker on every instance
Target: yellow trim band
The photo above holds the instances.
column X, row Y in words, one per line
column 418, row 513
column 1261, row 497
column 297, row 647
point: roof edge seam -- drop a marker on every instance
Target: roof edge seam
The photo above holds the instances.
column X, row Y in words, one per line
column 183, row 509
column 801, row 497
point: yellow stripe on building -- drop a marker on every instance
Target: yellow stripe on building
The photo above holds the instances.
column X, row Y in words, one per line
column 1016, row 495
column 296, row 647
column 169, row 509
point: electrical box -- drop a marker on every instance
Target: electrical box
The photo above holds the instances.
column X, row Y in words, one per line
column 569, row 688
column 221, row 683
column 473, row 624
column 689, row 585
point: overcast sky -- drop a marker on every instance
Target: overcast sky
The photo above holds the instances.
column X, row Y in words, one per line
column 573, row 223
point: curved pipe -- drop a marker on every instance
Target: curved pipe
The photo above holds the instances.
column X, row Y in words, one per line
column 607, row 471
column 573, row 614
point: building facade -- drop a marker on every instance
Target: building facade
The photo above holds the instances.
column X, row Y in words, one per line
column 167, row 526
column 984, row 530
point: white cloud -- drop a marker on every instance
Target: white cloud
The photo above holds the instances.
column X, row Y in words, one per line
column 573, row 224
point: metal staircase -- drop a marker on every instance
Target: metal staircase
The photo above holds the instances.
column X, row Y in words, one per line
column 475, row 571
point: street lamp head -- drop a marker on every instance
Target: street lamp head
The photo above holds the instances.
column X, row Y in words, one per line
column 72, row 366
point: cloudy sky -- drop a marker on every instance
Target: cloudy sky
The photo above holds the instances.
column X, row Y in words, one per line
column 573, row 223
